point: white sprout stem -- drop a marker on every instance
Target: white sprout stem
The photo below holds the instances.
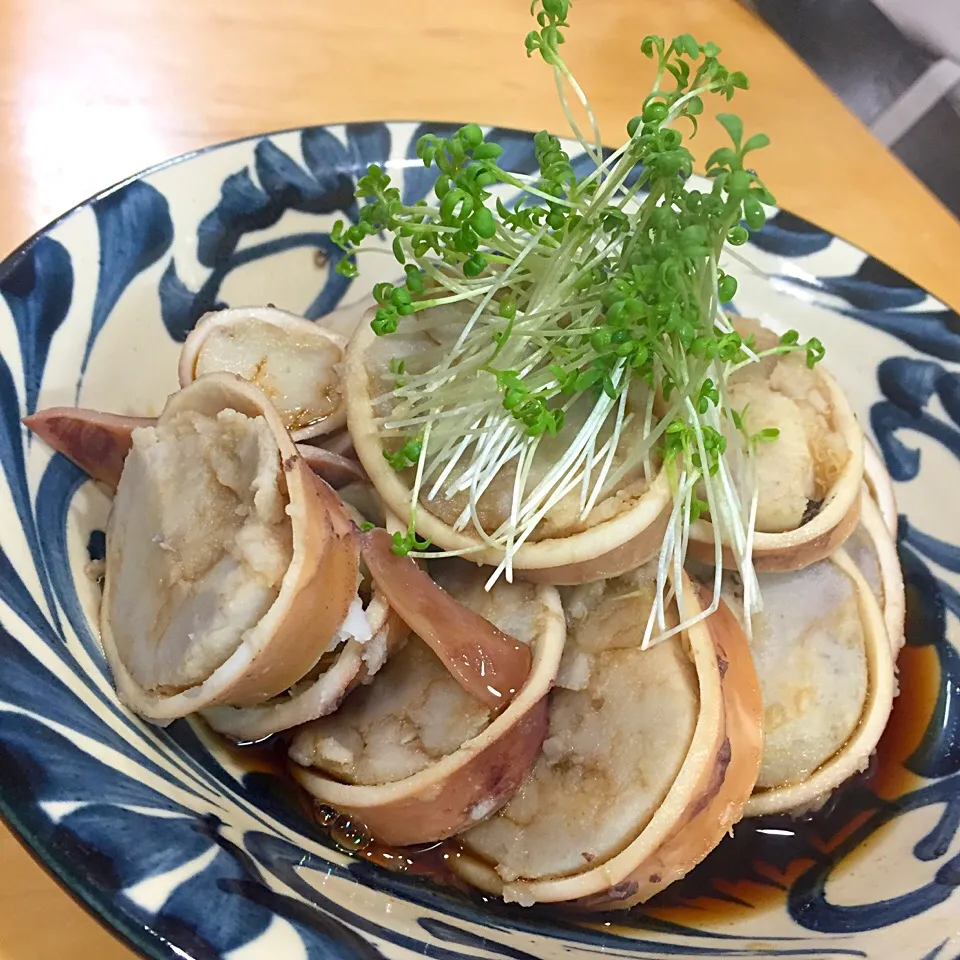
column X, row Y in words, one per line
column 604, row 166
column 477, row 490
column 679, row 546
column 658, row 611
column 752, row 600
column 708, row 483
column 419, row 476
column 587, row 473
column 445, row 554
column 687, row 624
column 507, row 274
column 519, row 480
column 674, row 113
column 614, row 443
column 558, row 494
column 456, row 451
column 488, row 449
column 647, row 421
column 561, row 73
column 429, row 418
column 590, row 427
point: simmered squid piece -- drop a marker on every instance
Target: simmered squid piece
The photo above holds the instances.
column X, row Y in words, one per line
column 411, row 716
column 229, row 565
column 809, row 648
column 826, row 672
column 621, row 722
column 874, row 551
column 797, row 470
column 623, row 529
column 808, row 475
column 100, row 442
column 369, row 635
column 412, row 754
column 294, row 361
column 725, row 786
column 638, row 744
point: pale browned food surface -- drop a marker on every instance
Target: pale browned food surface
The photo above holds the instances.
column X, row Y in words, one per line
column 93, row 91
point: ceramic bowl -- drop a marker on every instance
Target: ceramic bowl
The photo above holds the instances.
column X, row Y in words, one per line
column 188, row 849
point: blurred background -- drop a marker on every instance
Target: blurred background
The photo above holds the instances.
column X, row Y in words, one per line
column 896, row 65
column 94, row 90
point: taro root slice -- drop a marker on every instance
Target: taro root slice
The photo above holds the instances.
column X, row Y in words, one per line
column 852, row 757
column 471, row 782
column 294, row 361
column 725, row 789
column 314, row 594
column 98, row 443
column 704, row 754
column 487, row 663
column 607, row 548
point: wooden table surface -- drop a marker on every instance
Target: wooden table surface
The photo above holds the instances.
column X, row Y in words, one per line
column 93, row 90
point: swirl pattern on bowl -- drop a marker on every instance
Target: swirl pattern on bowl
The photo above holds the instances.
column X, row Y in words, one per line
column 187, row 851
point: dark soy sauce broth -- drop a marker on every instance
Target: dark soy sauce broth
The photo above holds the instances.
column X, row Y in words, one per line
column 750, row 870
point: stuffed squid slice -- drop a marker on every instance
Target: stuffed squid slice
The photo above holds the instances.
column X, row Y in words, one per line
column 724, row 788
column 414, row 756
column 294, row 361
column 371, row 633
column 880, row 486
column 826, row 670
column 623, row 529
column 874, row 552
column 230, row 567
column 808, row 478
column 639, row 745
column 99, row 442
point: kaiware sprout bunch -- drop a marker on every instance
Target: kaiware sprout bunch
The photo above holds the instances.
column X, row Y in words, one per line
column 591, row 282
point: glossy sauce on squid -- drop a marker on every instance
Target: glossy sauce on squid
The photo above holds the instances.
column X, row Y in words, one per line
column 750, row 870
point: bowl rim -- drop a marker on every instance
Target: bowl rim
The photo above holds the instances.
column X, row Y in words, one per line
column 142, row 940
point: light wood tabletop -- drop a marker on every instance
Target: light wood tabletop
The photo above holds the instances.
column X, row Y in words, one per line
column 94, row 90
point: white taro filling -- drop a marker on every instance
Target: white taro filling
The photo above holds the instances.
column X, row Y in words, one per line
column 621, row 721
column 299, row 373
column 808, row 645
column 200, row 543
column 798, row 468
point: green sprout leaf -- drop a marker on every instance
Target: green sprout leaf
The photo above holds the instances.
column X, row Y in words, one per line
column 407, row 456
column 734, row 126
column 409, row 542
column 557, row 299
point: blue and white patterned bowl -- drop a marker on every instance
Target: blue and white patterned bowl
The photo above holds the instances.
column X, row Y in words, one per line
column 186, row 849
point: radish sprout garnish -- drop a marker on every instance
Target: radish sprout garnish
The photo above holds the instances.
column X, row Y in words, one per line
column 602, row 288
